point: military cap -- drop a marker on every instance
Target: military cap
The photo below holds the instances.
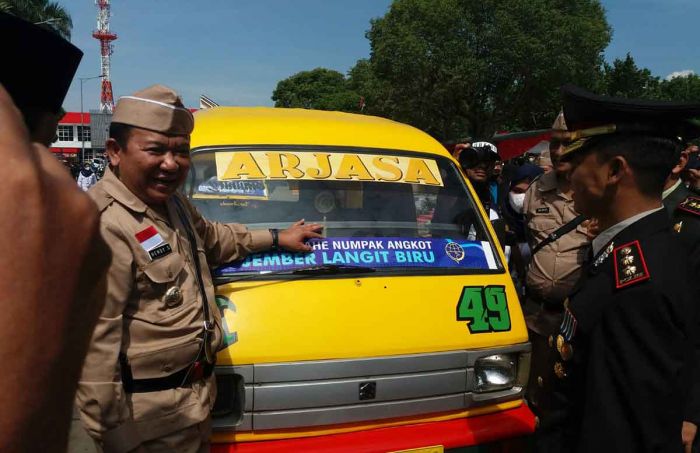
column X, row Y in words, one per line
column 589, row 115
column 38, row 64
column 559, row 123
column 157, row 108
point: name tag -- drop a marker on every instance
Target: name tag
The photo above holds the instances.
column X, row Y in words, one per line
column 542, row 211
column 153, row 243
column 160, row 251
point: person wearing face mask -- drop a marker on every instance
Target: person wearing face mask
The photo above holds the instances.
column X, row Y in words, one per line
column 513, row 214
column 553, row 271
column 86, row 178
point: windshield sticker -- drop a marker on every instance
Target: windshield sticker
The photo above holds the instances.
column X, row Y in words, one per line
column 376, row 253
column 269, row 165
column 485, row 308
column 214, row 188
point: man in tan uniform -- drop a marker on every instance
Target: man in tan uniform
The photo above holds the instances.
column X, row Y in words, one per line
column 147, row 384
column 553, row 272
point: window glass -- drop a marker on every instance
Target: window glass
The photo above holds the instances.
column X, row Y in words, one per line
column 83, row 133
column 65, row 133
column 391, row 211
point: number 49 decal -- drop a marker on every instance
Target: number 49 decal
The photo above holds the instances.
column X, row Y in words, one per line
column 484, row 308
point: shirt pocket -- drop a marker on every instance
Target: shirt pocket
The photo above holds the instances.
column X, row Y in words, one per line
column 543, row 224
column 162, row 288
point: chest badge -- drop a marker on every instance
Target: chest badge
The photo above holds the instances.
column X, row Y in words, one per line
column 565, row 349
column 691, row 205
column 567, row 329
column 152, row 242
column 603, row 256
column 630, row 266
column 173, row 296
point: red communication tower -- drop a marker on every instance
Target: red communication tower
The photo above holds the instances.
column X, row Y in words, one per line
column 105, row 37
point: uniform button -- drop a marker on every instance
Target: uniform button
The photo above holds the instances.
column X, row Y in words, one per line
column 540, row 381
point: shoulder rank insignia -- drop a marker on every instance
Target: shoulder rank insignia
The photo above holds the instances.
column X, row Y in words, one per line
column 691, row 205
column 630, row 267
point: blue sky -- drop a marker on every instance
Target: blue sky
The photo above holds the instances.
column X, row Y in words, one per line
column 237, row 51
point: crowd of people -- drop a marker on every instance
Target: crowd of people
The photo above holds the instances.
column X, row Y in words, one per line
column 604, row 237
column 565, row 231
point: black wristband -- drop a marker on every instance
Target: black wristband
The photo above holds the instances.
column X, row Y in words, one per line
column 275, row 239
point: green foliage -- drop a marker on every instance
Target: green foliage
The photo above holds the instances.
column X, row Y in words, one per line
column 624, row 79
column 684, row 88
column 457, row 68
column 48, row 14
column 464, row 67
column 322, row 89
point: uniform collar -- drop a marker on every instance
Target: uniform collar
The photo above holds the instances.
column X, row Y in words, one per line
column 606, row 236
column 670, row 190
column 114, row 187
column 548, row 181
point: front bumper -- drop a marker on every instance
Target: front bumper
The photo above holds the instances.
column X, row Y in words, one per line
column 462, row 432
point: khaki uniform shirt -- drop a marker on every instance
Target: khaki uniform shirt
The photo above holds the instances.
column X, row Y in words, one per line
column 158, row 337
column 555, row 269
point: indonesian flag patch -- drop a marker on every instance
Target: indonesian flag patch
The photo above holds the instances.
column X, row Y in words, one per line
column 153, row 243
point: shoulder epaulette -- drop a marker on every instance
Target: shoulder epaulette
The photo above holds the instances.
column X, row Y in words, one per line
column 535, row 179
column 691, row 205
column 101, row 198
column 630, row 266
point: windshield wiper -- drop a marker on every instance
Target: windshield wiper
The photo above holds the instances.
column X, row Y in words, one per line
column 333, row 269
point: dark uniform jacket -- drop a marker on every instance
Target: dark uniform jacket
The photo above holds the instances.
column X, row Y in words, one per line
column 683, row 206
column 627, row 343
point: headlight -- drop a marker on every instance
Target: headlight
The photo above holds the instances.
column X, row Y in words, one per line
column 495, row 372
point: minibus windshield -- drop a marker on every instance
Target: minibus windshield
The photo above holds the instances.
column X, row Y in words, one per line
column 391, row 211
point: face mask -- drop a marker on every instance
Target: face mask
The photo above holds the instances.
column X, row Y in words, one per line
column 516, row 201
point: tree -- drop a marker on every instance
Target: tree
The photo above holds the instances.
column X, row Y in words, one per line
column 48, row 14
column 682, row 88
column 458, row 67
column 624, row 79
column 322, row 89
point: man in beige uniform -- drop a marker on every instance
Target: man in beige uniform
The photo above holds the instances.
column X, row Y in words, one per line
column 147, row 383
column 553, row 271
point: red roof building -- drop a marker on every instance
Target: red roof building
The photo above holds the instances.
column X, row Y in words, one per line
column 73, row 135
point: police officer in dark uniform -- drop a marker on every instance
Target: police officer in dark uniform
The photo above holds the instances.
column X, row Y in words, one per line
column 626, row 352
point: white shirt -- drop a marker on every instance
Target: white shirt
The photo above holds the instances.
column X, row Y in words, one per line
column 668, row 191
column 606, row 236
